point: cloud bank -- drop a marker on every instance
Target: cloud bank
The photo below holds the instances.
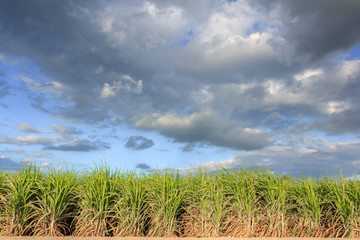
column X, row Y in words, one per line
column 250, row 76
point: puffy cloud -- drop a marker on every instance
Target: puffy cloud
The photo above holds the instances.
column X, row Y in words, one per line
column 126, row 82
column 44, row 165
column 26, row 128
column 79, row 145
column 338, row 106
column 64, row 130
column 49, row 87
column 17, row 150
column 32, row 139
column 205, row 127
column 29, row 161
column 139, row 143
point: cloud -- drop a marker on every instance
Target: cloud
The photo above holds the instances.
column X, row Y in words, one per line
column 32, row 139
column 188, row 147
column 239, row 75
column 206, row 127
column 79, row 145
column 29, row 161
column 7, row 164
column 126, row 82
column 310, row 160
column 17, row 150
column 44, row 165
column 143, row 166
column 4, row 91
column 26, row 128
column 40, row 155
column 139, row 143
column 64, row 130
column 55, row 88
column 4, row 88
column 333, row 25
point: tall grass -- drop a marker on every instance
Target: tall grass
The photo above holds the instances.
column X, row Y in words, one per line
column 236, row 203
column 244, row 200
column 165, row 198
column 131, row 209
column 96, row 198
column 207, row 205
column 18, row 192
column 53, row 208
column 310, row 207
column 277, row 202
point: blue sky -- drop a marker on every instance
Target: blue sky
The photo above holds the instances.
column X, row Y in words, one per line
column 147, row 85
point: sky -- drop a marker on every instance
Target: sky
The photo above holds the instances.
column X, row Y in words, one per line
column 149, row 85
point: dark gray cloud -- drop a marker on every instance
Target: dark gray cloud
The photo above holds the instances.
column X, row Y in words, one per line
column 79, row 145
column 188, row 147
column 317, row 28
column 139, row 143
column 347, row 120
column 340, row 123
column 143, row 166
column 4, row 90
column 205, row 128
column 327, row 159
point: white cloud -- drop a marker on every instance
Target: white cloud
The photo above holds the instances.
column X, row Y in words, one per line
column 17, row 150
column 44, row 165
column 24, row 127
column 126, row 82
column 159, row 26
column 39, row 155
column 204, row 95
column 64, row 131
column 32, row 139
column 59, row 168
column 56, row 88
column 309, row 76
column 209, row 166
column 337, row 106
column 29, row 161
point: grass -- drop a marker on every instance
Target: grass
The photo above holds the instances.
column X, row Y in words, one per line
column 54, row 204
column 230, row 203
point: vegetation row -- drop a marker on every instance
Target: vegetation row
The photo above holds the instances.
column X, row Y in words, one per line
column 241, row 203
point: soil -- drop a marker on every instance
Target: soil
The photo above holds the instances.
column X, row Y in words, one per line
column 158, row 238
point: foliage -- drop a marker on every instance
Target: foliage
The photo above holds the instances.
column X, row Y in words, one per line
column 236, row 203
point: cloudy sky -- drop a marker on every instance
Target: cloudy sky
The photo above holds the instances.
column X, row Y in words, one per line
column 181, row 84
